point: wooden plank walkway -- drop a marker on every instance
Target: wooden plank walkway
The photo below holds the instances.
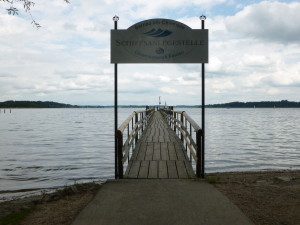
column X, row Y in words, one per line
column 159, row 154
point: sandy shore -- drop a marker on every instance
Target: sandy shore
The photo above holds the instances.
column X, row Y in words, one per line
column 57, row 208
column 266, row 197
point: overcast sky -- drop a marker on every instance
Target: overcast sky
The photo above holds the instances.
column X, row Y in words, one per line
column 254, row 53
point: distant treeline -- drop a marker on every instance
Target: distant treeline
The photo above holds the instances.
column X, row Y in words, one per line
column 49, row 104
column 265, row 104
column 33, row 104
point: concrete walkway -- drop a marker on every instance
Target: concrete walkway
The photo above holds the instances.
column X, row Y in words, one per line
column 160, row 202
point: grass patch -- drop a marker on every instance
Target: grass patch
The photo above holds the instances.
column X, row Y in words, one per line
column 212, row 179
column 16, row 217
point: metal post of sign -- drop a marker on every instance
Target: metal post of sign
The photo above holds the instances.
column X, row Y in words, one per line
column 115, row 19
column 202, row 18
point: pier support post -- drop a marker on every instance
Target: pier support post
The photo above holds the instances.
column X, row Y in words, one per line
column 119, row 136
column 199, row 142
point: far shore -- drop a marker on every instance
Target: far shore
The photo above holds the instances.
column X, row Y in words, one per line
column 50, row 104
column 266, row 197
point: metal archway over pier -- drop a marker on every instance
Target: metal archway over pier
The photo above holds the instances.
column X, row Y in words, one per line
column 159, row 41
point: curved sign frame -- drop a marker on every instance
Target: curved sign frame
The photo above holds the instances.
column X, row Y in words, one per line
column 159, row 41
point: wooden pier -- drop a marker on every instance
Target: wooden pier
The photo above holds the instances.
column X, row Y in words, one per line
column 159, row 153
column 154, row 150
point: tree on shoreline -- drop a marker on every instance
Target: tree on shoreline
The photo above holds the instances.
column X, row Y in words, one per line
column 27, row 4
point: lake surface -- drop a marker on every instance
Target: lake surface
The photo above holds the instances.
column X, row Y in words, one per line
column 49, row 148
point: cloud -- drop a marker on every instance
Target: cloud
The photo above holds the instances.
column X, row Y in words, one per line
column 6, row 75
column 164, row 79
column 273, row 91
column 215, row 64
column 221, row 86
column 168, row 90
column 284, row 78
column 268, row 20
column 256, row 60
column 253, row 53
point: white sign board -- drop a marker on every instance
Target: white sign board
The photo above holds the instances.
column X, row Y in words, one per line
column 159, row 41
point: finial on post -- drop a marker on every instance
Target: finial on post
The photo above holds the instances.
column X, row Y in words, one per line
column 115, row 18
column 202, row 17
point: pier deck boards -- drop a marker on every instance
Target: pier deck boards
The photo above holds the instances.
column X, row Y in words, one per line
column 159, row 154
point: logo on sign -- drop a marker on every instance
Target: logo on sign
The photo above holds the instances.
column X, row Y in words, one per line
column 158, row 33
column 160, row 51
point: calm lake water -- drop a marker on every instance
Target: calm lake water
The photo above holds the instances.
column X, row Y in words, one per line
column 49, row 148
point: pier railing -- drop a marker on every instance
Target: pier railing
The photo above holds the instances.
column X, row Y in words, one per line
column 130, row 131
column 190, row 135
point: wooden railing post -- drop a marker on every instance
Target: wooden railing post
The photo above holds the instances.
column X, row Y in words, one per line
column 181, row 120
column 142, row 119
column 192, row 137
column 175, row 116
column 136, row 120
column 199, row 151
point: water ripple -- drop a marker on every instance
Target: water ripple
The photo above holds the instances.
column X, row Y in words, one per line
column 46, row 148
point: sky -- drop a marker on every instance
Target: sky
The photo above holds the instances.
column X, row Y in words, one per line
column 254, row 53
